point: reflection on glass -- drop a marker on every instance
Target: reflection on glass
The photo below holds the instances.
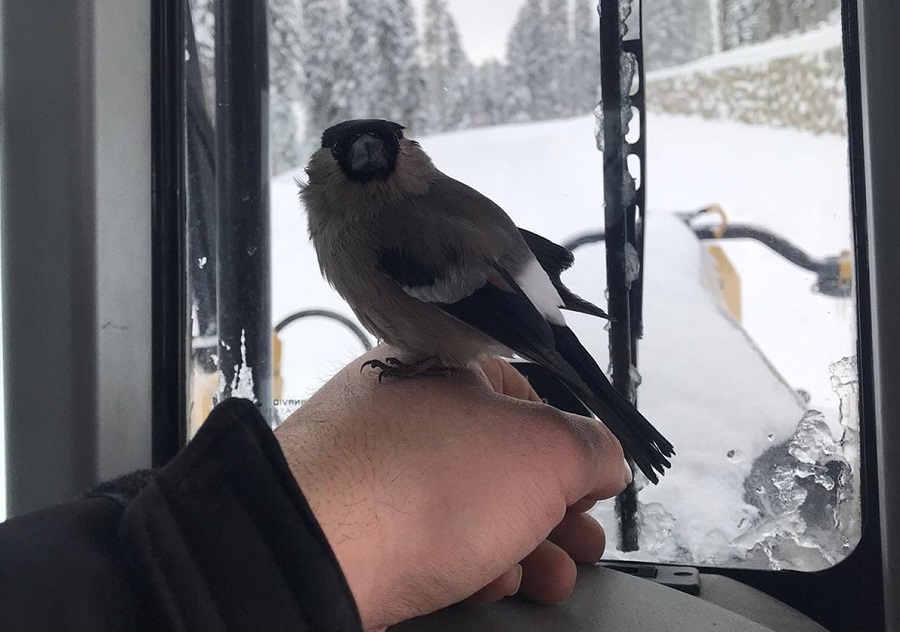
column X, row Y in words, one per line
column 747, row 359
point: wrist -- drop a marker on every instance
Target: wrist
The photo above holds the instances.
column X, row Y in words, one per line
column 354, row 522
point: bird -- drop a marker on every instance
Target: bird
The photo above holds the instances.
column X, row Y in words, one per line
column 436, row 269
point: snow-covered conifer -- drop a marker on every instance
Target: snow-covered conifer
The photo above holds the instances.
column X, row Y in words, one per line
column 401, row 90
column 285, row 84
column 445, row 69
column 364, row 73
column 586, row 55
column 558, row 41
column 326, row 91
column 676, row 32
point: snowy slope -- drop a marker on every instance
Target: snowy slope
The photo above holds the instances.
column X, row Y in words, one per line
column 705, row 384
column 547, row 176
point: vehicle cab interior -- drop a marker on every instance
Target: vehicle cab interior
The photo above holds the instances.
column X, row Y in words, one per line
column 725, row 172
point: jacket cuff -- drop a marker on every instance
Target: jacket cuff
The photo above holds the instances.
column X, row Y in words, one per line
column 226, row 539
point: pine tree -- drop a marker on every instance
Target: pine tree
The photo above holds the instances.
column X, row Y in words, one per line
column 529, row 64
column 400, row 93
column 516, row 89
column 741, row 23
column 458, row 68
column 559, row 57
column 364, row 72
column 586, row 56
column 676, row 32
column 484, row 105
column 285, row 84
column 326, row 92
column 435, row 71
column 445, row 70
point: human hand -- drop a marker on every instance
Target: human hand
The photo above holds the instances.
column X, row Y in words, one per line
column 434, row 490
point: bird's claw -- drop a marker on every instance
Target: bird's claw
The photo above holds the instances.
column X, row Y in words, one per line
column 393, row 367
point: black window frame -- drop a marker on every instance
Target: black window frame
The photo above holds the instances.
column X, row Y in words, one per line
column 849, row 596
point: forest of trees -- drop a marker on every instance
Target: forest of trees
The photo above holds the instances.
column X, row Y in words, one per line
column 332, row 60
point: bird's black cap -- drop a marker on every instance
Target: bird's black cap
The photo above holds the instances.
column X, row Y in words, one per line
column 366, row 149
column 348, row 131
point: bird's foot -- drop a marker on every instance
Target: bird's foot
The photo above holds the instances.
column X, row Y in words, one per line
column 392, row 367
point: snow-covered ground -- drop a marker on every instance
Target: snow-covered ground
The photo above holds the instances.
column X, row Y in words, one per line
column 721, row 401
column 547, row 177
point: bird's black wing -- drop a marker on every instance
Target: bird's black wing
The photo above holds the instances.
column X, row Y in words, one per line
column 426, row 283
column 555, row 259
column 405, row 270
column 504, row 312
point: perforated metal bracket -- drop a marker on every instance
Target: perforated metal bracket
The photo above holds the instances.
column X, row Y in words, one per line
column 683, row 578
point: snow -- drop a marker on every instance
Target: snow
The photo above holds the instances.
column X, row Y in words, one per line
column 721, row 393
column 242, row 382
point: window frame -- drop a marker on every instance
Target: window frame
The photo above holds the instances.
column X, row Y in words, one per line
column 76, row 246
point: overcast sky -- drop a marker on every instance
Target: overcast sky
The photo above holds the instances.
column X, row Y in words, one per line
column 483, row 25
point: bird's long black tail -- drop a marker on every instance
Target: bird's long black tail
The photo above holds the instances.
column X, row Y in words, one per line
column 641, row 441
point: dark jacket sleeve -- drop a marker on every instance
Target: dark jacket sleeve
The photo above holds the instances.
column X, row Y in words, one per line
column 220, row 539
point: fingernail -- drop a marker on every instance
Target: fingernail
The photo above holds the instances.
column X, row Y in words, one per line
column 518, row 582
column 628, row 474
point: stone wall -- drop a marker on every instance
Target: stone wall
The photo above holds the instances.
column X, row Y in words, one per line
column 803, row 91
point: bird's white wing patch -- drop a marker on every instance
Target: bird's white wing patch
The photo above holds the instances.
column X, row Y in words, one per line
column 540, row 291
column 453, row 286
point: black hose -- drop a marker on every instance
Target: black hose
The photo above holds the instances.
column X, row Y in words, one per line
column 830, row 282
column 780, row 245
column 326, row 313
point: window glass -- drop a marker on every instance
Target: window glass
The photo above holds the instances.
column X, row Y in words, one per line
column 747, row 357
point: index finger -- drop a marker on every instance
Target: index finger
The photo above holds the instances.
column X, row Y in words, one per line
column 607, row 470
column 506, row 380
column 606, row 465
column 580, row 453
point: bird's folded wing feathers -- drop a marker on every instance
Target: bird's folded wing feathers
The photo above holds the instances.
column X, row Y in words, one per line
column 510, row 317
column 555, row 259
column 494, row 304
column 441, row 246
column 502, row 309
column 427, row 282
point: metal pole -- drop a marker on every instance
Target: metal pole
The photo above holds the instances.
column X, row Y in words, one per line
column 242, row 184
column 622, row 255
column 170, row 345
column 201, row 203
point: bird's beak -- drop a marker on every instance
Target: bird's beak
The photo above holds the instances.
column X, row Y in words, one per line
column 367, row 154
